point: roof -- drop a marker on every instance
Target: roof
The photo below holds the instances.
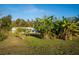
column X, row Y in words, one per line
column 14, row 28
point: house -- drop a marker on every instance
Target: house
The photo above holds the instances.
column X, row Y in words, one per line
column 29, row 30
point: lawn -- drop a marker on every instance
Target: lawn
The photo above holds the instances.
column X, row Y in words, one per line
column 34, row 46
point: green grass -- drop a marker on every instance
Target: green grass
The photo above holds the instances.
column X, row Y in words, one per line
column 34, row 46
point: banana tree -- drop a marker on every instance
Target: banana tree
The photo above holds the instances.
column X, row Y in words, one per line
column 45, row 26
column 65, row 29
column 68, row 29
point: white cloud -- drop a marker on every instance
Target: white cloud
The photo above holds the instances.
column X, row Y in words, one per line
column 33, row 9
column 27, row 11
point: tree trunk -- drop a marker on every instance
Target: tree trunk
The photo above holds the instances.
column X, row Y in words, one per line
column 46, row 36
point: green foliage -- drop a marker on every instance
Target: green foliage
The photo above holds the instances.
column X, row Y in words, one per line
column 2, row 36
column 45, row 26
column 22, row 23
column 62, row 29
column 19, row 23
column 6, row 22
column 5, row 26
column 65, row 29
column 49, row 27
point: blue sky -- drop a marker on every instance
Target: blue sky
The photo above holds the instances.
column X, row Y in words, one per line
column 32, row 11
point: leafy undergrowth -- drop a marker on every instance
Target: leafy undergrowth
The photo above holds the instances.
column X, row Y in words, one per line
column 35, row 46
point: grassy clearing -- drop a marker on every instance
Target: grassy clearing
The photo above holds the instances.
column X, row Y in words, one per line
column 35, row 46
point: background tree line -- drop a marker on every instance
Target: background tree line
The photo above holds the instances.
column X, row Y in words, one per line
column 49, row 26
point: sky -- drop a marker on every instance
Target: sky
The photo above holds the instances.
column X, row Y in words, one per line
column 32, row 11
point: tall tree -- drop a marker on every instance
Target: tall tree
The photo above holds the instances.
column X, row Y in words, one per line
column 6, row 22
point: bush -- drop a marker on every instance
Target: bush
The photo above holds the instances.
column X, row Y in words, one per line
column 2, row 36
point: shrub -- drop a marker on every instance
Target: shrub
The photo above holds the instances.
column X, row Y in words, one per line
column 2, row 36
